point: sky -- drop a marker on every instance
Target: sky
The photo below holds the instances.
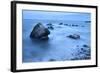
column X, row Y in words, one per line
column 51, row 15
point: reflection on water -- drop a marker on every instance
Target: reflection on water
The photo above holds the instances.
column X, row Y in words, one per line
column 58, row 47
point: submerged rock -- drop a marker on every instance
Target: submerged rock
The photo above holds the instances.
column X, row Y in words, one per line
column 40, row 32
column 74, row 25
column 50, row 26
column 86, row 46
column 60, row 23
column 66, row 24
column 87, row 21
column 52, row 60
column 74, row 36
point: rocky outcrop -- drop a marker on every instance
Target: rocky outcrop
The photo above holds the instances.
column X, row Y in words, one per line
column 40, row 32
column 74, row 36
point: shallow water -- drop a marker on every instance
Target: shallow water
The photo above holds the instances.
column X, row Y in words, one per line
column 59, row 47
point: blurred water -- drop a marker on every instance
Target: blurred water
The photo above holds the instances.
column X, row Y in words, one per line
column 59, row 47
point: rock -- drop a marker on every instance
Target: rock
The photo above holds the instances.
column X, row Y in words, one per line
column 87, row 21
column 66, row 24
column 52, row 60
column 39, row 32
column 86, row 46
column 50, row 26
column 83, row 50
column 61, row 24
column 74, row 36
column 74, row 25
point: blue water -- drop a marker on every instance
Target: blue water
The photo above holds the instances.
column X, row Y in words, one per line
column 59, row 47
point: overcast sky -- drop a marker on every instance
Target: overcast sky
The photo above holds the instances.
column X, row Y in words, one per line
column 47, row 15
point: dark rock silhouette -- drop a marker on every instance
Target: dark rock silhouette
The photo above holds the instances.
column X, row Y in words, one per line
column 74, row 36
column 40, row 32
column 50, row 26
column 86, row 46
column 87, row 21
column 74, row 25
column 60, row 23
column 66, row 24
column 52, row 60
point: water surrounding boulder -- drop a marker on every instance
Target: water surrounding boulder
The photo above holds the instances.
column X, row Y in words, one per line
column 74, row 36
column 40, row 32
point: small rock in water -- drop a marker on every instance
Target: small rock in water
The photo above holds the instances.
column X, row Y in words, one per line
column 61, row 24
column 50, row 26
column 39, row 32
column 73, row 25
column 82, row 49
column 52, row 60
column 76, row 25
column 66, row 24
column 87, row 21
column 74, row 36
column 86, row 46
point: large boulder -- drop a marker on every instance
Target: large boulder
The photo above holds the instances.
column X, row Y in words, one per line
column 39, row 32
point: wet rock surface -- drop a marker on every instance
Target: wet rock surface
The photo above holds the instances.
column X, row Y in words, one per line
column 40, row 32
column 82, row 53
column 74, row 36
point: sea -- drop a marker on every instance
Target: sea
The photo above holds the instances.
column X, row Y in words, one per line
column 58, row 47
